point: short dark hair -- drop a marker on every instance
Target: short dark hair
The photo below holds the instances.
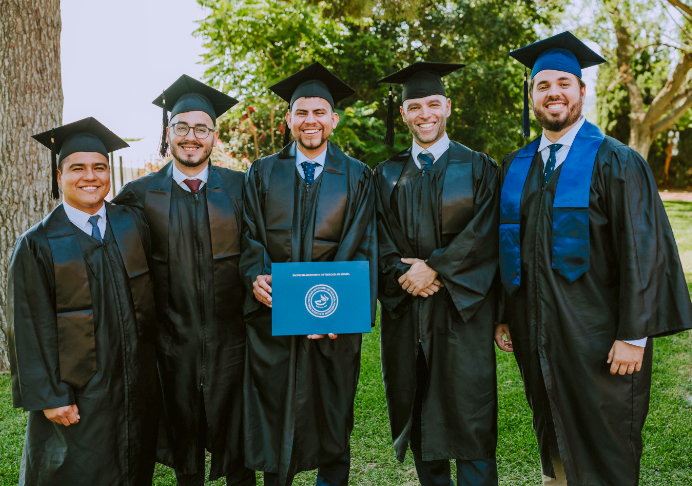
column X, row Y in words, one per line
column 581, row 84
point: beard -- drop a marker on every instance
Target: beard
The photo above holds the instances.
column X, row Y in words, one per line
column 180, row 155
column 311, row 145
column 425, row 139
column 556, row 124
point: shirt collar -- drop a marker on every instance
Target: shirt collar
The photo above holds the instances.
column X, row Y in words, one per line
column 79, row 217
column 301, row 157
column 566, row 140
column 437, row 149
column 179, row 177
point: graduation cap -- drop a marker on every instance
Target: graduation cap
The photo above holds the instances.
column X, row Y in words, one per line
column 187, row 94
column 420, row 79
column 315, row 81
column 87, row 135
column 561, row 52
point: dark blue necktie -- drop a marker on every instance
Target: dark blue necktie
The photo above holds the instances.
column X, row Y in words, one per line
column 426, row 160
column 309, row 171
column 550, row 166
column 95, row 233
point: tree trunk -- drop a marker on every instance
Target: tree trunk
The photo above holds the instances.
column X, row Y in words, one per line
column 641, row 138
column 30, row 102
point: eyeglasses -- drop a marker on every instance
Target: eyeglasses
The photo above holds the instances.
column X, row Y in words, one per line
column 182, row 129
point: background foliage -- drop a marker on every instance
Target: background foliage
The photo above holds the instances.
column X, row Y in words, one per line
column 252, row 44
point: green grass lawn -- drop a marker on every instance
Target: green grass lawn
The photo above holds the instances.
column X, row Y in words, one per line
column 667, row 459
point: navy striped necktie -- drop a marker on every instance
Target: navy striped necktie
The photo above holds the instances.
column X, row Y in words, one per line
column 426, row 160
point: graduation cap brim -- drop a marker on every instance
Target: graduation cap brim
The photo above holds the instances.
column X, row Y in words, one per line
column 88, row 125
column 326, row 85
column 220, row 102
column 585, row 56
column 401, row 77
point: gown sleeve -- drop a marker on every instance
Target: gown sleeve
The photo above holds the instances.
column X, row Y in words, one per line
column 254, row 259
column 654, row 298
column 128, row 197
column 391, row 295
column 32, row 331
column 359, row 240
column 468, row 265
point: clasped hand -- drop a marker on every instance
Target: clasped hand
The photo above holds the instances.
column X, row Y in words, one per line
column 420, row 279
column 262, row 289
column 63, row 415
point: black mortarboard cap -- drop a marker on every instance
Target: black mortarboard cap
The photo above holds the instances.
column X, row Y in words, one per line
column 187, row 94
column 315, row 81
column 87, row 135
column 561, row 52
column 420, row 79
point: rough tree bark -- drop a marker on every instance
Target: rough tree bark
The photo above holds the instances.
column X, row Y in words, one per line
column 671, row 102
column 30, row 102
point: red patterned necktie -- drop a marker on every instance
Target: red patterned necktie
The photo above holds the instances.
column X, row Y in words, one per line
column 193, row 184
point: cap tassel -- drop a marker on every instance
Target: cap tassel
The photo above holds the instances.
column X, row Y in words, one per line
column 527, row 126
column 389, row 134
column 287, row 132
column 55, row 191
column 163, row 146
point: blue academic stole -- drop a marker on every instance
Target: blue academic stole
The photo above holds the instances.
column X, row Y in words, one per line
column 570, row 257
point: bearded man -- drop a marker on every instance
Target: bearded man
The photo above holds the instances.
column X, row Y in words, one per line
column 308, row 203
column 591, row 274
column 194, row 210
column 437, row 216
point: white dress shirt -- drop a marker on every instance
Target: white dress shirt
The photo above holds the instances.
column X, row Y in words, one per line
column 437, row 149
column 180, row 178
column 567, row 140
column 320, row 160
column 81, row 219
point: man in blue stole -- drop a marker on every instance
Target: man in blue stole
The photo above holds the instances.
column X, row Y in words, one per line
column 437, row 215
column 591, row 274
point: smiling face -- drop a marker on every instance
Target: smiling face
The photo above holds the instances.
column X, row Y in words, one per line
column 311, row 121
column 427, row 118
column 189, row 150
column 85, row 179
column 557, row 99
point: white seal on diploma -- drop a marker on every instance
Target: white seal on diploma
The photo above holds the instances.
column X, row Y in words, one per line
column 321, row 301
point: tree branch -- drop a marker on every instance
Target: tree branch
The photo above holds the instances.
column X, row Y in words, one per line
column 669, row 120
column 662, row 101
column 681, row 6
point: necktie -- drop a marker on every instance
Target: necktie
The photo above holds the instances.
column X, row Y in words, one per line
column 95, row 232
column 309, row 171
column 426, row 160
column 550, row 166
column 193, row 184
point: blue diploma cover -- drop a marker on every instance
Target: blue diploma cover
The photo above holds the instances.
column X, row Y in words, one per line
column 320, row 297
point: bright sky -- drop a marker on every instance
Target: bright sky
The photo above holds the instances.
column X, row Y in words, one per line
column 117, row 57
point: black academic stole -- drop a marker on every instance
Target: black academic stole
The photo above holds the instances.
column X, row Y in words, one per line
column 457, row 193
column 223, row 226
column 282, row 232
column 73, row 304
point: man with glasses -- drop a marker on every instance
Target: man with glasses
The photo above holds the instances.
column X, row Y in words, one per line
column 194, row 211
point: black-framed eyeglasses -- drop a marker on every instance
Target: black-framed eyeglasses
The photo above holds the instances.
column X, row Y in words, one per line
column 182, row 129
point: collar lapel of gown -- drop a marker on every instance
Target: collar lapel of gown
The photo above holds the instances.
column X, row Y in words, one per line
column 279, row 207
column 73, row 304
column 157, row 208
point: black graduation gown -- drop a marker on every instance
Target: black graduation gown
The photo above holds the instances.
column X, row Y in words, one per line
column 562, row 332
column 115, row 439
column 299, row 393
column 449, row 217
column 199, row 298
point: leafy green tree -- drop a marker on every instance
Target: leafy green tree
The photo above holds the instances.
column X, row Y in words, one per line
column 253, row 43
